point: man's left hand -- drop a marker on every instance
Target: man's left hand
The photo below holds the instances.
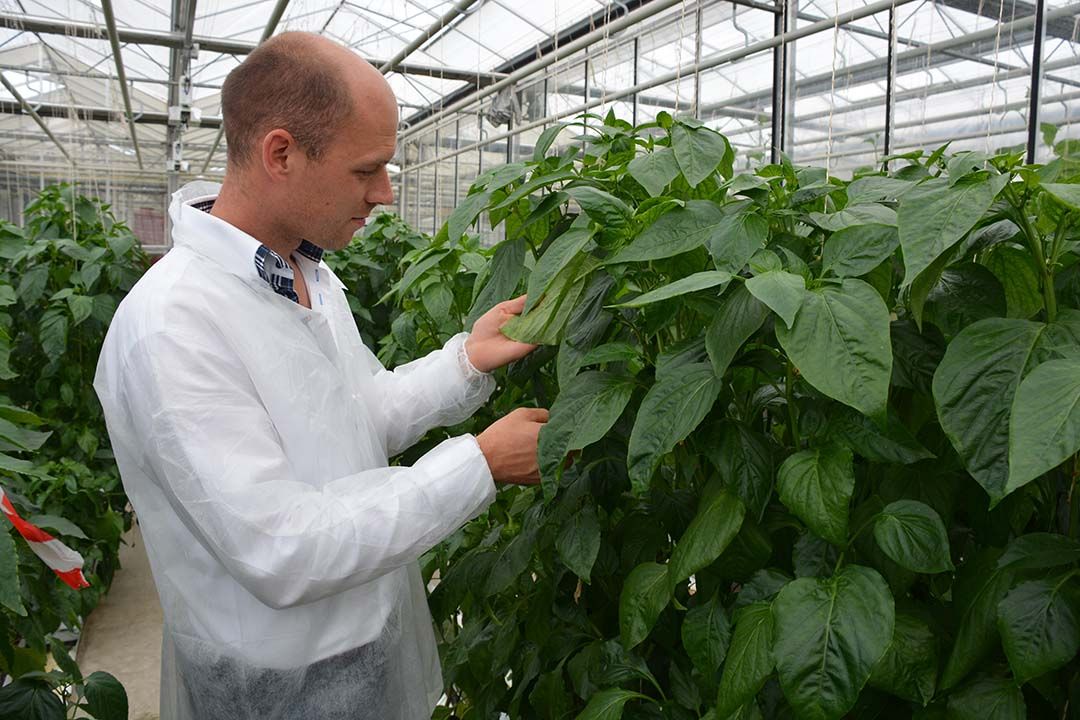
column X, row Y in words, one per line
column 487, row 348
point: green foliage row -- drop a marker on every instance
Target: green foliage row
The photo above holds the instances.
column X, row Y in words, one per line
column 812, row 449
column 62, row 277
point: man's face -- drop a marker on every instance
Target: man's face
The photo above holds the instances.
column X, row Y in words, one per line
column 337, row 192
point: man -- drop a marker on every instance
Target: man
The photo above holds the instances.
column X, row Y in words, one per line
column 253, row 428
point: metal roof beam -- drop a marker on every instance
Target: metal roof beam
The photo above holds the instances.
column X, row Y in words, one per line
column 228, row 47
column 88, row 113
column 435, row 28
column 110, row 22
column 24, row 107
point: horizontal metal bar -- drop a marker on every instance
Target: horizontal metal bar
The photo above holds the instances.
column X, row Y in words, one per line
column 90, row 31
column 99, row 113
column 936, row 119
column 91, row 75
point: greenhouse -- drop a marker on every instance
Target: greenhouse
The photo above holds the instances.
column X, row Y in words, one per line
column 643, row 359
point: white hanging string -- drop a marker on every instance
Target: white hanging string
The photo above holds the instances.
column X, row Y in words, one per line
column 832, row 89
column 993, row 84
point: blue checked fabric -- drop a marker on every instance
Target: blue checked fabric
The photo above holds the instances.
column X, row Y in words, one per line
column 272, row 267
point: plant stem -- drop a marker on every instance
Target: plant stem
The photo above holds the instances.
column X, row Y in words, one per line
column 1035, row 244
column 789, row 392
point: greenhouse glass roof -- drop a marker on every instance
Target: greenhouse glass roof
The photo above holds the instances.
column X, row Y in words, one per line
column 57, row 58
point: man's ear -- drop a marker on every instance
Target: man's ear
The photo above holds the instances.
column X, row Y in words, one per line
column 279, row 150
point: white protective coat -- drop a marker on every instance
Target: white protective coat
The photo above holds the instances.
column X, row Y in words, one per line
column 253, row 438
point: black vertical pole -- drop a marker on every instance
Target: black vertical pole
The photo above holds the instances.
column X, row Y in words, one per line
column 779, row 101
column 890, row 82
column 1036, row 78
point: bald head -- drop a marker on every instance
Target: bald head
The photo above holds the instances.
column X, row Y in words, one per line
column 302, row 83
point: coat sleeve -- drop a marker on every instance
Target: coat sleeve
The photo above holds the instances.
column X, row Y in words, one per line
column 208, row 441
column 439, row 389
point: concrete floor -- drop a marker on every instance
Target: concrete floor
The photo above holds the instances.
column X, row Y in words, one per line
column 123, row 634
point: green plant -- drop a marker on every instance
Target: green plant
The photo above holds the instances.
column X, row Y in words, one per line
column 370, row 266
column 812, row 448
column 63, row 276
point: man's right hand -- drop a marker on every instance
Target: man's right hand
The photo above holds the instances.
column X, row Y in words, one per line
column 509, row 445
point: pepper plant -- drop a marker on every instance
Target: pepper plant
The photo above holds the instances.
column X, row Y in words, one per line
column 812, row 448
column 63, row 275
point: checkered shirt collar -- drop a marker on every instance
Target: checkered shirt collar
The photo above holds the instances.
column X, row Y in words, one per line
column 270, row 266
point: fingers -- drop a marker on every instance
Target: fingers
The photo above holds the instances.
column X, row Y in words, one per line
column 515, row 306
column 538, row 415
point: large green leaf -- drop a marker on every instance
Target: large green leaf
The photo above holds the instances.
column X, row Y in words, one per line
column 974, row 388
column 53, row 332
column 936, row 215
column 674, row 233
column 9, row 573
column 913, row 536
column 829, row 635
column 511, row 562
column 692, row 283
column 858, row 249
column 1039, row 627
column 60, row 526
column 608, row 704
column 717, row 522
column 840, row 344
column 988, row 699
column 81, row 306
column 698, row 151
column 964, row 294
column 739, row 316
column 30, row 700
column 21, row 438
column 744, row 459
column 738, row 236
column 861, row 215
column 876, row 188
column 980, row 585
column 1038, row 551
column 533, row 184
column 582, row 414
column 671, row 410
column 32, row 284
column 465, row 214
column 781, row 291
column 544, row 324
column 654, row 170
column 645, row 594
column 558, row 255
column 579, row 542
column 1044, row 425
column 502, row 278
column 414, row 272
column 909, row 668
column 105, row 697
column 1018, row 275
column 603, row 207
column 817, row 486
column 891, row 444
column 706, row 634
column 1067, row 194
column 543, row 143
column 750, row 658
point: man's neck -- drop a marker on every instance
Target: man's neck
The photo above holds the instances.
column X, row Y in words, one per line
column 240, row 209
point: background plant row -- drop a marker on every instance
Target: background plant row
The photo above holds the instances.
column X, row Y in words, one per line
column 62, row 277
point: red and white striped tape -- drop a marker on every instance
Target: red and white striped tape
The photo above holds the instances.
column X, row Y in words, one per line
column 65, row 562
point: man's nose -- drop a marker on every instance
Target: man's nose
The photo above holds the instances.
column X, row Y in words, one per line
column 382, row 192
